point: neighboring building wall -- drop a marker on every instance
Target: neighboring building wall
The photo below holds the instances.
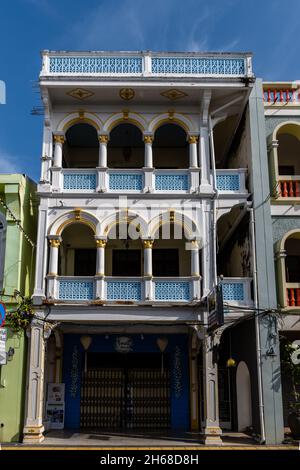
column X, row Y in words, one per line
column 18, row 193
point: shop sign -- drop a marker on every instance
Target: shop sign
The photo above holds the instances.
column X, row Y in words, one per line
column 123, row 344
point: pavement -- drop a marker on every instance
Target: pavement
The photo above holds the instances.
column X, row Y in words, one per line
column 65, row 439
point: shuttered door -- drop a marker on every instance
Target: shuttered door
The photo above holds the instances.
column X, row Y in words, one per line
column 125, row 398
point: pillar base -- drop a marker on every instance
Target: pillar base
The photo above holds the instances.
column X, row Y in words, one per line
column 212, row 436
column 33, row 434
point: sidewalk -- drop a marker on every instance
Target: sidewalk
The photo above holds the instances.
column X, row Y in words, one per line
column 63, row 439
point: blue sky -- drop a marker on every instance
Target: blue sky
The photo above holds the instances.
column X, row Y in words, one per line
column 268, row 28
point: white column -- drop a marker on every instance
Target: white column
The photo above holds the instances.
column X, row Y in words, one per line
column 33, row 429
column 103, row 140
column 148, row 258
column 148, row 269
column 53, row 257
column 41, row 250
column 204, row 157
column 193, row 139
column 212, row 429
column 100, row 261
column 148, row 163
column 58, row 150
column 195, row 268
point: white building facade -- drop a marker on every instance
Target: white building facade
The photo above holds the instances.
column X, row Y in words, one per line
column 145, row 206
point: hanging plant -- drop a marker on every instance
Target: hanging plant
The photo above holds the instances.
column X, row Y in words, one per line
column 20, row 318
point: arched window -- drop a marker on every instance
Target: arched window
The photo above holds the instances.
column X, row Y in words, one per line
column 288, row 137
column 2, row 248
column 170, row 147
column 125, row 147
column 81, row 147
column 77, row 251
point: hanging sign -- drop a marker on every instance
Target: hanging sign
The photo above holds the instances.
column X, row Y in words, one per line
column 2, row 313
column 3, row 355
column 123, row 344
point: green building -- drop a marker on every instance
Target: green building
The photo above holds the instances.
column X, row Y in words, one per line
column 17, row 258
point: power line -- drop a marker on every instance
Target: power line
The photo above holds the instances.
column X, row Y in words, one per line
column 18, row 224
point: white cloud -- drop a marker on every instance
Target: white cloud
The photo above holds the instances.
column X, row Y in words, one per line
column 8, row 163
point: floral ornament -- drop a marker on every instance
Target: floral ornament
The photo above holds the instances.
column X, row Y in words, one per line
column 74, row 373
column 177, row 372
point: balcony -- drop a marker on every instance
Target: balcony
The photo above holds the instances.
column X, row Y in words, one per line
column 229, row 182
column 123, row 290
column 145, row 64
column 289, row 186
column 293, row 294
column 237, row 291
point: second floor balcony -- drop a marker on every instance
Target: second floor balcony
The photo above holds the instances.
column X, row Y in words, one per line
column 126, row 161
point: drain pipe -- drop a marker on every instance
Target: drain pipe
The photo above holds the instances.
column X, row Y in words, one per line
column 258, row 345
column 214, row 181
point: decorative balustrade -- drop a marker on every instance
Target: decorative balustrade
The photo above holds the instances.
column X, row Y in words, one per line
column 125, row 180
column 168, row 180
column 124, row 290
column 293, row 294
column 237, row 291
column 112, row 289
column 172, row 290
column 146, row 64
column 75, row 289
column 289, row 187
column 231, row 180
column 281, row 95
column 79, row 180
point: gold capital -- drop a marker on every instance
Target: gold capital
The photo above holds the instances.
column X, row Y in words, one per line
column 193, row 139
column 103, row 139
column 148, row 243
column 101, row 243
column 54, row 243
column 59, row 139
column 148, row 139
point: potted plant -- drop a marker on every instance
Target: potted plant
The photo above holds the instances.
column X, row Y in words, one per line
column 292, row 368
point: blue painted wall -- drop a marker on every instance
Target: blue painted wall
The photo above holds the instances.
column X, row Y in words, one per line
column 179, row 367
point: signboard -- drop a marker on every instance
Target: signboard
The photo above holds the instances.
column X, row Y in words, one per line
column 2, row 313
column 3, row 355
column 215, row 308
column 124, row 344
column 55, row 408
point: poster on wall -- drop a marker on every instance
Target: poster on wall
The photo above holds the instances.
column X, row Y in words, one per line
column 55, row 408
column 56, row 393
column 55, row 414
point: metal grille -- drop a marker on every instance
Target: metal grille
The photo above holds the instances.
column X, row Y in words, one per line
column 125, row 399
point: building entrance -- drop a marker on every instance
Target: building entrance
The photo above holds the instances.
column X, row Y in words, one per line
column 125, row 391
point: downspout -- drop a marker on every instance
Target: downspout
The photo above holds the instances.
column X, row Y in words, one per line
column 214, row 218
column 257, row 332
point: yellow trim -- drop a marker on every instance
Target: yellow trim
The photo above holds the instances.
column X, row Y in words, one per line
column 171, row 120
column 80, row 120
column 125, row 120
column 73, row 220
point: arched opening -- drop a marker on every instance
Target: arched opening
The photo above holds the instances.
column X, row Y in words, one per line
column 234, row 244
column 77, row 251
column 125, row 147
column 288, row 137
column 243, row 392
column 292, row 260
column 123, row 254
column 170, row 258
column 170, row 147
column 81, row 147
column 291, row 271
